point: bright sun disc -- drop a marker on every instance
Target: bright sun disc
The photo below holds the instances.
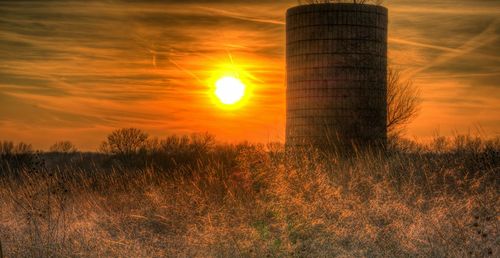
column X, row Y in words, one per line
column 229, row 90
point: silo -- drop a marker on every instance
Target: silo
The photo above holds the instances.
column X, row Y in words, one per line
column 336, row 56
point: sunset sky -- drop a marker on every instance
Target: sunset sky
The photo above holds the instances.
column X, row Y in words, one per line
column 76, row 70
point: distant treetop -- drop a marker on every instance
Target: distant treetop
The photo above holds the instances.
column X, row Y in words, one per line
column 63, row 147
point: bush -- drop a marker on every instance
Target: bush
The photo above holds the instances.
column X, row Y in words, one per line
column 9, row 148
column 14, row 157
column 63, row 147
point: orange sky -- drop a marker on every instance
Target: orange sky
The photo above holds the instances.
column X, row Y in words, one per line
column 76, row 70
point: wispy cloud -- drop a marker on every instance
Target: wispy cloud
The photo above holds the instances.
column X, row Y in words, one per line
column 486, row 37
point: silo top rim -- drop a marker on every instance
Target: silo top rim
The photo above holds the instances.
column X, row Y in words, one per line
column 336, row 7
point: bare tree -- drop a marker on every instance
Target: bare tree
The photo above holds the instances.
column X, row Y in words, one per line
column 125, row 141
column 63, row 147
column 403, row 102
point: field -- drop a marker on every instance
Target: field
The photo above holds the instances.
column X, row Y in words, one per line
column 205, row 199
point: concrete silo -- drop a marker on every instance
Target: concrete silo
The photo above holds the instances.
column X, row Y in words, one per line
column 336, row 57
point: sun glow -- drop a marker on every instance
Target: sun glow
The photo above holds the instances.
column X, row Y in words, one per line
column 229, row 90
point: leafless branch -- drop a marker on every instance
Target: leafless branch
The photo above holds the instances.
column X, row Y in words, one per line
column 403, row 102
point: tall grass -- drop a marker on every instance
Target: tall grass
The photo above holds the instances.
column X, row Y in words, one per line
column 439, row 200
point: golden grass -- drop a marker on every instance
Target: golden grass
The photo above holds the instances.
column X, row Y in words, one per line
column 262, row 203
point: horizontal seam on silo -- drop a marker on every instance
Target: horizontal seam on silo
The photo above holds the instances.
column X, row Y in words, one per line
column 331, row 89
column 336, row 108
column 383, row 28
column 336, row 39
column 320, row 123
column 306, row 138
column 324, row 117
column 318, row 118
column 337, row 53
column 338, row 97
column 337, row 88
column 343, row 132
column 327, row 128
column 293, row 119
column 320, row 12
column 334, row 66
column 326, row 40
column 334, row 80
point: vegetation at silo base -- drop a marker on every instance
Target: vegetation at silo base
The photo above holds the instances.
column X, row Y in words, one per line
column 377, row 2
column 194, row 197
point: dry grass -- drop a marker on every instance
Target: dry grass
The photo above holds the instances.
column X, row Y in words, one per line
column 440, row 202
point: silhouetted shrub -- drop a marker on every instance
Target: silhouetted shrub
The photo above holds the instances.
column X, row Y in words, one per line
column 9, row 148
column 14, row 157
column 63, row 147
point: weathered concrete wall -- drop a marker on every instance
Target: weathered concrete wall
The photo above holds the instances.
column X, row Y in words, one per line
column 336, row 57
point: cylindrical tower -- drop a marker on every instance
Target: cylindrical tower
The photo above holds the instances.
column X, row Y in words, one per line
column 336, row 57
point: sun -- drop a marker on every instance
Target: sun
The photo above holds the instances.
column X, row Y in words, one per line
column 229, row 90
